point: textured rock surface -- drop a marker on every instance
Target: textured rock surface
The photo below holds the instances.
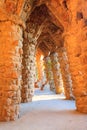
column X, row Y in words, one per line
column 28, row 71
column 49, row 73
column 56, row 73
column 67, row 82
column 73, row 17
column 10, row 70
column 65, row 17
column 76, row 44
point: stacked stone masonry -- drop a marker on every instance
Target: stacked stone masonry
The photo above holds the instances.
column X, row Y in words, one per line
column 10, row 70
column 76, row 44
column 56, row 73
column 49, row 73
column 28, row 71
column 72, row 16
column 78, row 72
column 67, row 82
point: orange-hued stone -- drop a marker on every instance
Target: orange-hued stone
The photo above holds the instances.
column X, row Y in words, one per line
column 56, row 73
column 49, row 72
column 64, row 65
column 10, row 67
column 39, row 64
column 42, row 27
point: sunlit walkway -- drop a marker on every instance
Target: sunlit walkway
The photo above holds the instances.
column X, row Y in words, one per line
column 48, row 112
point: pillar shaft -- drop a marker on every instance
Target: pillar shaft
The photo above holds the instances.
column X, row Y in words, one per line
column 28, row 71
column 56, row 73
column 10, row 70
column 49, row 73
column 78, row 69
column 67, row 82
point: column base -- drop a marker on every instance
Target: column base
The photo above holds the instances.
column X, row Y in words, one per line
column 26, row 100
column 81, row 104
column 52, row 86
column 69, row 98
column 59, row 90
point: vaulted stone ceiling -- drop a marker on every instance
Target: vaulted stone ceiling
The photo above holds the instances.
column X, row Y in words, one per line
column 59, row 8
column 43, row 26
column 24, row 8
column 46, row 43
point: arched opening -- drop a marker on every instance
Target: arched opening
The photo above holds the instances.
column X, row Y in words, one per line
column 44, row 33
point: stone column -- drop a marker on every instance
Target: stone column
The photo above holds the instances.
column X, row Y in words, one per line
column 67, row 82
column 49, row 73
column 10, row 69
column 78, row 66
column 76, row 44
column 28, row 71
column 56, row 73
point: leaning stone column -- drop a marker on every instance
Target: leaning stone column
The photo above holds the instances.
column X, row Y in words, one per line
column 49, row 73
column 56, row 73
column 67, row 82
column 10, row 69
column 28, row 71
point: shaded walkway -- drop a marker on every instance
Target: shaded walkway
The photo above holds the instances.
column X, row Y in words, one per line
column 48, row 112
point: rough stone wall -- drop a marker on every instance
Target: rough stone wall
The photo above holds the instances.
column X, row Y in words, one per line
column 24, row 8
column 76, row 44
column 67, row 82
column 73, row 16
column 10, row 70
column 49, row 73
column 28, row 71
column 56, row 73
column 18, row 7
column 77, row 62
